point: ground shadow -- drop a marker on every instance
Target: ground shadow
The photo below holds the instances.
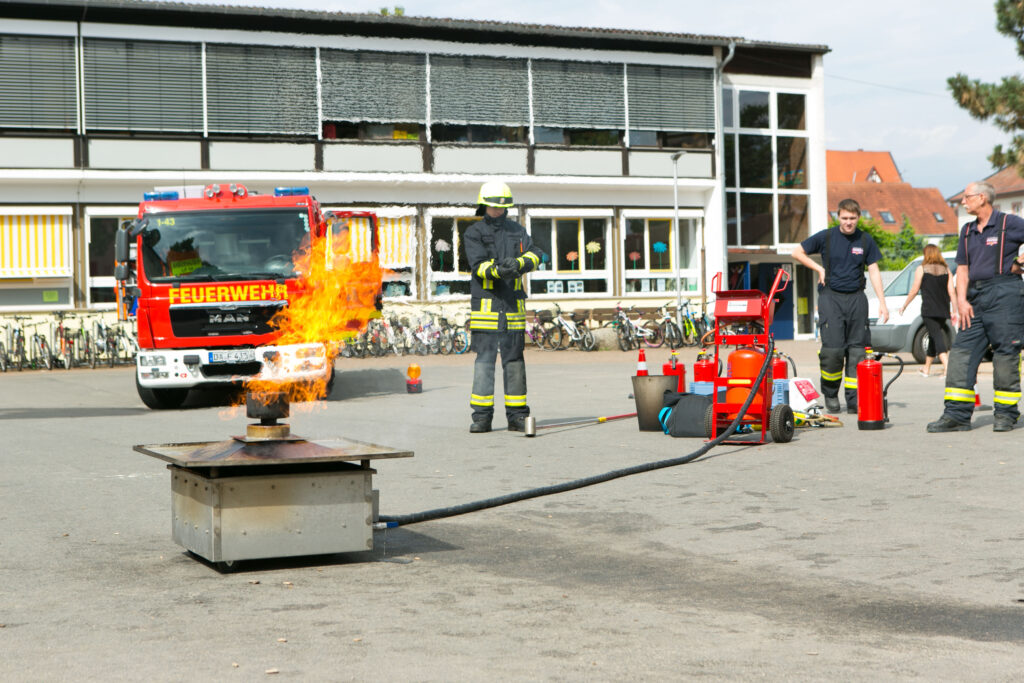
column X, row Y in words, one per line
column 61, row 412
column 398, row 545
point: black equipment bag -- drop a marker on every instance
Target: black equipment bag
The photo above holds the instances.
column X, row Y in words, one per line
column 683, row 414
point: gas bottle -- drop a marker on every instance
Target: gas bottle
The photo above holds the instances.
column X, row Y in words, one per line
column 872, row 408
column 744, row 363
column 674, row 367
column 704, row 369
column 780, row 368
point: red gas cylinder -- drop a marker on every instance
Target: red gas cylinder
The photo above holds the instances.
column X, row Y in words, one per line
column 674, row 367
column 744, row 363
column 871, row 409
column 780, row 368
column 704, row 368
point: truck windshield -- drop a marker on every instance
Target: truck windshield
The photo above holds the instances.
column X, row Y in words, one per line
column 234, row 244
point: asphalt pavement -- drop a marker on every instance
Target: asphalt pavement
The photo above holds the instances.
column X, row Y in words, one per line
column 843, row 555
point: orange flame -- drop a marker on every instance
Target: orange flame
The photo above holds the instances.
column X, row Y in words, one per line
column 332, row 301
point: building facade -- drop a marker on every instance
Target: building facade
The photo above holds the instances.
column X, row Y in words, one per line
column 600, row 133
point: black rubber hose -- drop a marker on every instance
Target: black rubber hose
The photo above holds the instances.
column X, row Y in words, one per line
column 391, row 521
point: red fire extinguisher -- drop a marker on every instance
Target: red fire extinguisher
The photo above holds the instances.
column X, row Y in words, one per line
column 704, row 368
column 674, row 367
column 872, row 402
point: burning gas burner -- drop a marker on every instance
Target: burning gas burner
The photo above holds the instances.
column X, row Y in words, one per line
column 271, row 493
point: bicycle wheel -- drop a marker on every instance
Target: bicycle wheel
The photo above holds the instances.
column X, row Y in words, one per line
column 68, row 356
column 587, row 341
column 624, row 336
column 551, row 336
column 672, row 334
column 653, row 336
column 19, row 354
column 460, row 341
column 3, row 358
column 111, row 351
column 446, row 343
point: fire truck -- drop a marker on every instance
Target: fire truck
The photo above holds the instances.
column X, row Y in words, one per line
column 205, row 273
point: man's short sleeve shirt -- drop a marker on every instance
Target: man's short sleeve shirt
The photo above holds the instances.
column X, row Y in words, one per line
column 981, row 250
column 848, row 256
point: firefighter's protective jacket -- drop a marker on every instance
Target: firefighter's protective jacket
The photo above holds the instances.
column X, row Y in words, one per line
column 489, row 242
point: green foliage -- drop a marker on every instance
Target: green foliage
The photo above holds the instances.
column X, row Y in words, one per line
column 897, row 250
column 949, row 242
column 1001, row 102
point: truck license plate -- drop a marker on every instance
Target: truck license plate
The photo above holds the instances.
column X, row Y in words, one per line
column 232, row 356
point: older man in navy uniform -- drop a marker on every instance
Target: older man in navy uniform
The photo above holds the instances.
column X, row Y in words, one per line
column 990, row 299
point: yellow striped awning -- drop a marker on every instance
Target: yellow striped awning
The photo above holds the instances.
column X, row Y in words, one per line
column 396, row 235
column 35, row 245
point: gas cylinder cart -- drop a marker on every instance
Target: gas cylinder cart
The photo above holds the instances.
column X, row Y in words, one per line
column 742, row 319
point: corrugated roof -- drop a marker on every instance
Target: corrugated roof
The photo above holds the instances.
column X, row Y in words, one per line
column 856, row 166
column 920, row 204
column 513, row 30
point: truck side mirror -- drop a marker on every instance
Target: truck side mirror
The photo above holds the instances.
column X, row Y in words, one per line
column 121, row 272
column 121, row 246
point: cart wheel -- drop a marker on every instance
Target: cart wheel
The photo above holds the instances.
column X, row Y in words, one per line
column 781, row 423
column 709, row 421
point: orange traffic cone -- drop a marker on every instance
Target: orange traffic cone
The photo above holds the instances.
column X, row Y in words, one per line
column 641, row 365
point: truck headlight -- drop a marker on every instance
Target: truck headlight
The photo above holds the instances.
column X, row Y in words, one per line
column 150, row 361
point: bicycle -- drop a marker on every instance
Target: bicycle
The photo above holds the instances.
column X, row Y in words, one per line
column 630, row 333
column 538, row 330
column 693, row 326
column 39, row 349
column 569, row 332
column 16, row 343
column 669, row 329
column 104, row 343
column 453, row 339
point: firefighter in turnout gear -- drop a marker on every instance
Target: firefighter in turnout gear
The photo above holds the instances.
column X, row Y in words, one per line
column 499, row 251
column 847, row 252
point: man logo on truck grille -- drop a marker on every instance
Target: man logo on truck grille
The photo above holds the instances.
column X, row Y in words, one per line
column 236, row 317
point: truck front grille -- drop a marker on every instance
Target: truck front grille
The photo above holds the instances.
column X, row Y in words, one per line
column 250, row 369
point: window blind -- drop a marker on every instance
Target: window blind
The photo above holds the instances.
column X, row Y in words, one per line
column 257, row 89
column 37, row 82
column 373, row 86
column 671, row 98
column 578, row 94
column 479, row 90
column 143, row 85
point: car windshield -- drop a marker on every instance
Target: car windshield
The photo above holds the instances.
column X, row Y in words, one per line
column 901, row 285
column 232, row 244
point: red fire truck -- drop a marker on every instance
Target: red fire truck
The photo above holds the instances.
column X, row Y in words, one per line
column 206, row 276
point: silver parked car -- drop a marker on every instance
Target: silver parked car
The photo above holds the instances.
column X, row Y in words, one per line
column 905, row 333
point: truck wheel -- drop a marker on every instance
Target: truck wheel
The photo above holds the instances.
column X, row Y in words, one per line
column 161, row 399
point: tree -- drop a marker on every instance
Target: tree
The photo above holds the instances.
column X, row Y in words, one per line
column 1002, row 102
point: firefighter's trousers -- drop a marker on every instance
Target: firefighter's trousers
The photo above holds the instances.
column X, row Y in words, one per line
column 998, row 320
column 843, row 319
column 487, row 346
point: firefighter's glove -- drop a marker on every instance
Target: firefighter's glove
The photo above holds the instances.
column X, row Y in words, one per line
column 508, row 269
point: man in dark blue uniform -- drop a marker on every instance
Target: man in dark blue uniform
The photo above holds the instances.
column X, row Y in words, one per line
column 499, row 251
column 990, row 299
column 846, row 253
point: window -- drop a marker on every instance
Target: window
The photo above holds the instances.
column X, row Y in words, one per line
column 348, row 130
column 37, row 79
column 101, row 230
column 650, row 259
column 396, row 246
column 479, row 90
column 260, row 89
column 449, row 268
column 142, row 85
column 1014, row 208
column 866, row 215
column 766, row 171
column 939, row 218
column 887, row 216
column 478, row 134
column 669, row 140
column 377, row 87
column 578, row 94
column 674, row 102
column 575, row 255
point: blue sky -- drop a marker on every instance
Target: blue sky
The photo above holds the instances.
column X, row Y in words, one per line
column 885, row 83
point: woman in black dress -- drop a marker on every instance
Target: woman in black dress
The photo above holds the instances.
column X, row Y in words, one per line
column 935, row 283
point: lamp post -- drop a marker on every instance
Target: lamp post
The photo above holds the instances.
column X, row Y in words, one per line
column 675, row 235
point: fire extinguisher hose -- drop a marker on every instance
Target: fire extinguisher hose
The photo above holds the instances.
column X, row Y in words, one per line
column 391, row 521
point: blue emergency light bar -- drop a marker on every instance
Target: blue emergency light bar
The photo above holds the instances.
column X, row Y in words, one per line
column 291, row 191
column 159, row 196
